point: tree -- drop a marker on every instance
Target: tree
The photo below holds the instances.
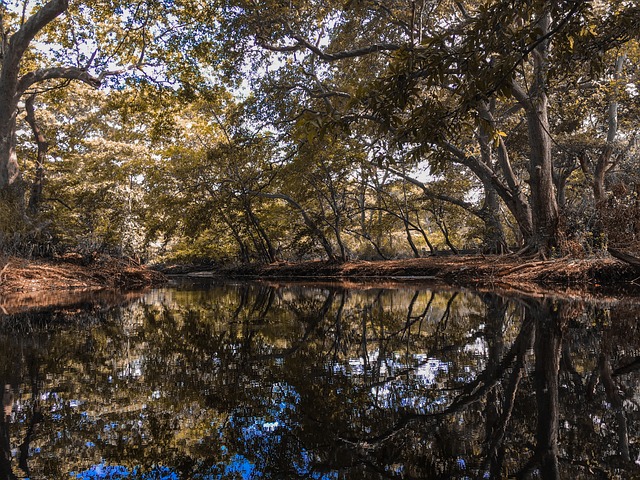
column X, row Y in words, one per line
column 439, row 78
column 14, row 83
column 139, row 42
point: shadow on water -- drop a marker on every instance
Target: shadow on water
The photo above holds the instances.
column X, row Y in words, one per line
column 260, row 381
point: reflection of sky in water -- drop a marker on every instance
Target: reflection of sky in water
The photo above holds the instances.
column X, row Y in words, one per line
column 263, row 434
column 238, row 467
column 422, row 368
column 116, row 472
column 254, row 394
column 401, row 375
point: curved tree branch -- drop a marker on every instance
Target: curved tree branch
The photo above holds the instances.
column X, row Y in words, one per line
column 42, row 74
column 428, row 192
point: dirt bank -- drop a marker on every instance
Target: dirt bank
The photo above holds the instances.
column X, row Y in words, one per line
column 594, row 275
column 73, row 273
column 25, row 283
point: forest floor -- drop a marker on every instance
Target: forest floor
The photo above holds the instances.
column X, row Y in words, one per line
column 41, row 283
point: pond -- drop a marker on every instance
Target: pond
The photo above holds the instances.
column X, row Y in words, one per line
column 253, row 380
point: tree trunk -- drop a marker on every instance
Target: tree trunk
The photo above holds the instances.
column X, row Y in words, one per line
column 560, row 182
column 517, row 203
column 611, row 390
column 12, row 86
column 12, row 208
column 604, row 159
column 445, row 233
column 543, row 200
column 424, row 235
column 244, row 250
column 496, row 312
column 494, row 240
column 338, row 234
column 264, row 241
column 308, row 221
column 9, row 171
column 12, row 214
column 544, row 207
column 414, row 249
column 35, row 199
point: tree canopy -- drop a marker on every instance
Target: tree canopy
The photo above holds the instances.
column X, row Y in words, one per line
column 237, row 130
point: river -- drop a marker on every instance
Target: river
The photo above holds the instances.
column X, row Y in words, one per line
column 224, row 380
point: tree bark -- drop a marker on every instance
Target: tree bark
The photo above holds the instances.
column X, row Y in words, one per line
column 604, row 159
column 512, row 196
column 515, row 201
column 35, row 198
column 494, row 240
column 414, row 249
column 264, row 241
column 544, row 206
column 311, row 225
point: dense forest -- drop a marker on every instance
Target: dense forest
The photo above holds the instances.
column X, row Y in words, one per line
column 242, row 130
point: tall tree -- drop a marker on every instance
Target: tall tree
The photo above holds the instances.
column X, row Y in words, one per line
column 441, row 76
column 14, row 82
column 49, row 44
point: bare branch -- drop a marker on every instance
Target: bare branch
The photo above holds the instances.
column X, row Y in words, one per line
column 69, row 73
column 483, row 171
column 42, row 74
column 428, row 192
column 330, row 57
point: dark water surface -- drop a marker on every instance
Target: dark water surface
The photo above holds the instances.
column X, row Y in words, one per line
column 229, row 381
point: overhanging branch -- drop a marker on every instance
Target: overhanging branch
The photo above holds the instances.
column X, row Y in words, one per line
column 69, row 73
column 303, row 43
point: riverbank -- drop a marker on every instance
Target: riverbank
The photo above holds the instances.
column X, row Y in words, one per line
column 19, row 275
column 53, row 279
column 499, row 272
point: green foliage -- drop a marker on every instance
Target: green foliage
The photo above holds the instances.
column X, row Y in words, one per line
column 280, row 130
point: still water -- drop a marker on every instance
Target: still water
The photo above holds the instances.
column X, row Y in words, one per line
column 248, row 380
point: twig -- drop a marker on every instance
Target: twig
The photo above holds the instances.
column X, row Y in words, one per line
column 3, row 270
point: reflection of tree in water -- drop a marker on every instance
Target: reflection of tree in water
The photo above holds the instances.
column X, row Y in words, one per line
column 296, row 382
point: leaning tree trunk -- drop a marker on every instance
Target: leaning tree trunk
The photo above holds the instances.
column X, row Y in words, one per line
column 308, row 221
column 264, row 241
column 14, row 82
column 12, row 85
column 414, row 249
column 494, row 240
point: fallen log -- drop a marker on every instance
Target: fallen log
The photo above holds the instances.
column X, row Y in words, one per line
column 625, row 257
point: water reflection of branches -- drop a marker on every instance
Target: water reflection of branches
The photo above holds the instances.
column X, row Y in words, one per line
column 373, row 384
